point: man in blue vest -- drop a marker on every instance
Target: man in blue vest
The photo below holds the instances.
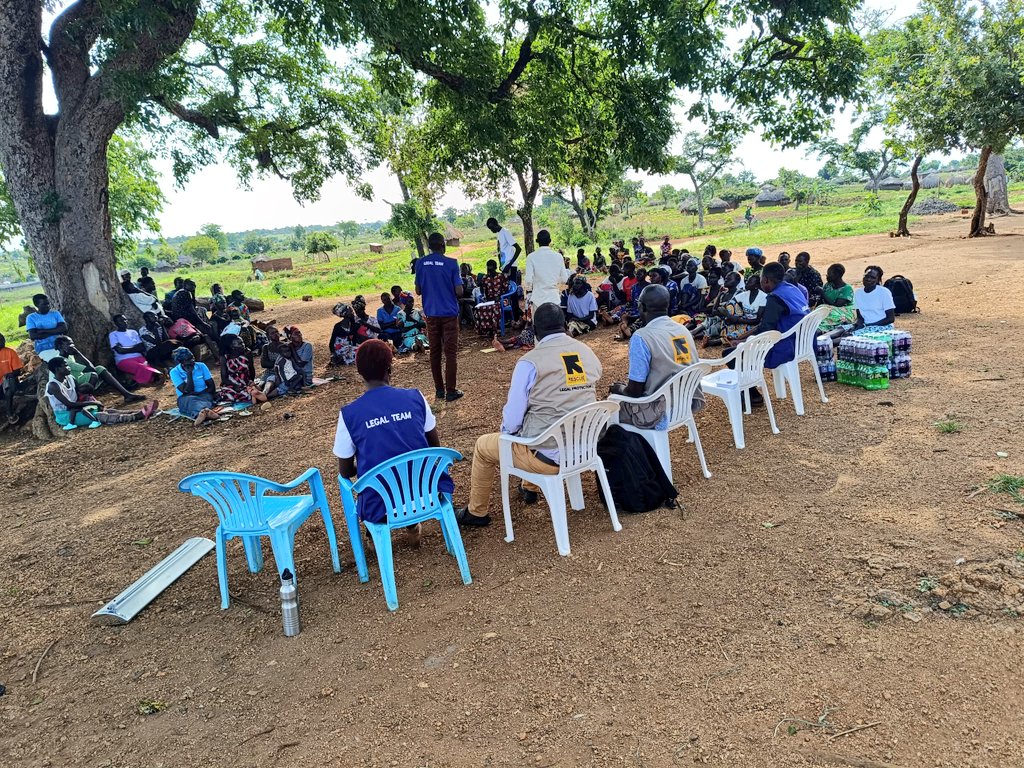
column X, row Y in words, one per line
column 786, row 306
column 439, row 282
column 380, row 424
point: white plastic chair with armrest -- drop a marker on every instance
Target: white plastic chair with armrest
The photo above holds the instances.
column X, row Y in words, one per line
column 575, row 436
column 732, row 384
column 788, row 374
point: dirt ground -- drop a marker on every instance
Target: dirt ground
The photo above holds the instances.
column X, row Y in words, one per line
column 783, row 610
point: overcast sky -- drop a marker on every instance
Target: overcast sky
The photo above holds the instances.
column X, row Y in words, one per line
column 214, row 195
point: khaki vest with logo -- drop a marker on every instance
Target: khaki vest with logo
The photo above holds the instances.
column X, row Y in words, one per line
column 567, row 376
column 672, row 349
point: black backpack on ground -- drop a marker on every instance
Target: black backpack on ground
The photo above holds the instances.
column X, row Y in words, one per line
column 902, row 291
column 637, row 481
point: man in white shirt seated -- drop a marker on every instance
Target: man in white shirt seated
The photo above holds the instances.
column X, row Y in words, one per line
column 559, row 375
column 508, row 248
column 546, row 273
column 657, row 352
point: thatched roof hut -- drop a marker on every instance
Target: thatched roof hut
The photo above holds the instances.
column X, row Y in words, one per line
column 163, row 266
column 689, row 205
column 770, row 197
column 957, row 179
column 931, row 181
column 452, row 236
column 891, row 183
column 716, row 205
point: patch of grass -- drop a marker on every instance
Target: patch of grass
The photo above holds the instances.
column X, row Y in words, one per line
column 1019, row 555
column 959, row 609
column 948, row 426
column 927, row 584
column 150, row 706
column 1011, row 485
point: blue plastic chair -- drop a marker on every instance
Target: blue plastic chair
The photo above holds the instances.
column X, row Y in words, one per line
column 506, row 305
column 247, row 512
column 408, row 484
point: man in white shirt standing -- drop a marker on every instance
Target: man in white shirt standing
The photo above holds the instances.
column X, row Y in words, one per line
column 508, row 248
column 546, row 273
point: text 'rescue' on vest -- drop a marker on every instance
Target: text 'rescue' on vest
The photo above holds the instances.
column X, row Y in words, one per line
column 567, row 376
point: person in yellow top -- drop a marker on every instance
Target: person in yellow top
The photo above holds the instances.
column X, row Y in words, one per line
column 10, row 367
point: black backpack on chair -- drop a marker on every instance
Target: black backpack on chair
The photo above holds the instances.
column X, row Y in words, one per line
column 902, row 291
column 637, row 481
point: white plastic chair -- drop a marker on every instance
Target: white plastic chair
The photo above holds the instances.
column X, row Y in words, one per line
column 575, row 436
column 678, row 392
column 788, row 374
column 732, row 384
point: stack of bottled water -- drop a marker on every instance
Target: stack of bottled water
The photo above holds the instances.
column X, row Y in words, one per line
column 824, row 352
column 899, row 354
column 864, row 361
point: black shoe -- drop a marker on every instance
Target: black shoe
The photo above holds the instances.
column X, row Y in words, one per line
column 468, row 520
column 756, row 398
column 454, row 395
column 438, row 394
column 529, row 497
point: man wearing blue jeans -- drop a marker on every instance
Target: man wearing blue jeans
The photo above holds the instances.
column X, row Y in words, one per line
column 439, row 283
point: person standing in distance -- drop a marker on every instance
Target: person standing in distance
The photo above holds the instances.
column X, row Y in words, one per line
column 508, row 248
column 546, row 274
column 439, row 283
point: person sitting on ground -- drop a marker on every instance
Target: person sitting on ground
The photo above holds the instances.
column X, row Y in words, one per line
column 582, row 262
column 237, row 300
column 142, row 294
column 193, row 384
column 692, row 287
column 876, row 310
column 707, row 264
column 524, row 339
column 808, row 277
column 288, row 373
column 179, row 283
column 389, row 320
column 158, row 342
column 629, row 314
column 581, row 308
column 663, row 276
column 253, row 339
column 267, row 381
column 837, row 295
column 414, row 338
column 690, row 276
column 44, row 326
column 755, row 260
column 129, row 350
column 743, row 313
column 11, row 366
column 183, row 307
column 218, row 308
column 716, row 282
column 492, row 287
column 657, row 351
column 90, row 378
column 727, row 264
column 302, row 353
column 791, row 278
column 380, row 424
column 714, row 322
column 69, row 409
column 784, row 258
column 399, row 296
column 559, row 375
column 342, row 344
column 599, row 262
column 366, row 326
column 237, row 374
column 784, row 308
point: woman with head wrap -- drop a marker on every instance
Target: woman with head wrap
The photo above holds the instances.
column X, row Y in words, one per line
column 342, row 345
column 193, row 383
column 237, row 374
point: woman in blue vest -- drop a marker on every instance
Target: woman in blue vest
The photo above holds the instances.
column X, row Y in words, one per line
column 786, row 306
column 380, row 424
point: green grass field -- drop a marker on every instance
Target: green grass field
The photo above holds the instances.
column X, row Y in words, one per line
column 354, row 270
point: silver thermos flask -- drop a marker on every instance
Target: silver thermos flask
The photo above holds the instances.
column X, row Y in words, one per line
column 289, row 605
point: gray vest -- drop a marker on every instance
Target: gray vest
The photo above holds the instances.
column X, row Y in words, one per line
column 672, row 349
column 567, row 375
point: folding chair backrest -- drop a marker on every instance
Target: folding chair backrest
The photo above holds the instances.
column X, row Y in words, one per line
column 576, row 434
column 409, row 484
column 236, row 498
column 807, row 332
column 751, row 355
column 679, row 391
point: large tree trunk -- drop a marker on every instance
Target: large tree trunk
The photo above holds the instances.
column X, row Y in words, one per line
column 901, row 228
column 978, row 227
column 996, row 187
column 529, row 186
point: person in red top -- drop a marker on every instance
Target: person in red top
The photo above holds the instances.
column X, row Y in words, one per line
column 10, row 365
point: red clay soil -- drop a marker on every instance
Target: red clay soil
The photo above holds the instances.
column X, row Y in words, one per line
column 783, row 610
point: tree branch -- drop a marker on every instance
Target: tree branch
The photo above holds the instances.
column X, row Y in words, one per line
column 526, row 55
column 72, row 35
column 190, row 116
